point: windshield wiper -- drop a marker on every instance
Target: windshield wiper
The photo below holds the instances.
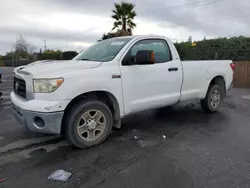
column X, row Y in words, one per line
column 85, row 59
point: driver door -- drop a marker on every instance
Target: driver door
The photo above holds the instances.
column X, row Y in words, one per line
column 151, row 86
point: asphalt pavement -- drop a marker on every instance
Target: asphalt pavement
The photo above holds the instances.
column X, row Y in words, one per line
column 183, row 148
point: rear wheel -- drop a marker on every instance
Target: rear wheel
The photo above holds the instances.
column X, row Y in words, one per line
column 88, row 124
column 213, row 99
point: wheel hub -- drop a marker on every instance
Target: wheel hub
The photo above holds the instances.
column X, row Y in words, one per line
column 215, row 98
column 91, row 124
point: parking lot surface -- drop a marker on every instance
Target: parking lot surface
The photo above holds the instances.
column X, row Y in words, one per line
column 183, row 148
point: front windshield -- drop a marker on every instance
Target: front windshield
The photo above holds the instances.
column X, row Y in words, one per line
column 103, row 51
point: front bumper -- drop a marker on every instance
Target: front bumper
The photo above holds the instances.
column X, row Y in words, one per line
column 37, row 121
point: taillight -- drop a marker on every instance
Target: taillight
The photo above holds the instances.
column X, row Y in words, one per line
column 232, row 65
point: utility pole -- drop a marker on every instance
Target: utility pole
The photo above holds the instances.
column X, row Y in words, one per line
column 13, row 60
column 45, row 47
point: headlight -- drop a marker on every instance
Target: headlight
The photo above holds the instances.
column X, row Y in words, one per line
column 47, row 85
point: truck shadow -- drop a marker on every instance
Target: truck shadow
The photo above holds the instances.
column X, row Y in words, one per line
column 171, row 122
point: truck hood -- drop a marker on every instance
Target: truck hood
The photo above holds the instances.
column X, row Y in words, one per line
column 47, row 69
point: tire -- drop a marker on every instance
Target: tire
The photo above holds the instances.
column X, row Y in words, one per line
column 208, row 103
column 82, row 136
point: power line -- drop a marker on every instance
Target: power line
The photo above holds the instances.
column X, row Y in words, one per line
column 82, row 33
column 92, row 28
column 188, row 24
column 186, row 5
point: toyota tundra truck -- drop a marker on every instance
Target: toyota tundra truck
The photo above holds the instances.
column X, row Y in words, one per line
column 85, row 97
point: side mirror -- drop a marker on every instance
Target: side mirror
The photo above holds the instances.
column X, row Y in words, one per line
column 145, row 57
column 130, row 60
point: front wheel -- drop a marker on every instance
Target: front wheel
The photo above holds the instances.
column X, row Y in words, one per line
column 213, row 99
column 88, row 124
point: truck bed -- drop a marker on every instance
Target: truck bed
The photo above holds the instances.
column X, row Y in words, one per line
column 197, row 74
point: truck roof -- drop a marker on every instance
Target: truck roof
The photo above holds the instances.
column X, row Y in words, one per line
column 141, row 36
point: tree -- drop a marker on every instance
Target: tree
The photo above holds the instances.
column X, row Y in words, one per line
column 52, row 55
column 68, row 55
column 107, row 36
column 123, row 14
column 1, row 62
column 233, row 48
column 118, row 33
column 23, row 48
column 190, row 39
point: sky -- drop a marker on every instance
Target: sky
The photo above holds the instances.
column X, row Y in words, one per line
column 76, row 24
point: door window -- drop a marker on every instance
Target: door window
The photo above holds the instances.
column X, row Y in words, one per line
column 158, row 46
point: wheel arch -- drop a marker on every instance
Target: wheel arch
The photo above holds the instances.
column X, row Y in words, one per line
column 218, row 80
column 108, row 98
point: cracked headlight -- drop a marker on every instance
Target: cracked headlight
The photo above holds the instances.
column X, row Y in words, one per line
column 47, row 85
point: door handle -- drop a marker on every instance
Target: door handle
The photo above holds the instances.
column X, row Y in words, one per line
column 114, row 76
column 173, row 69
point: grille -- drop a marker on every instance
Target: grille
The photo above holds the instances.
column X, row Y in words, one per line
column 20, row 87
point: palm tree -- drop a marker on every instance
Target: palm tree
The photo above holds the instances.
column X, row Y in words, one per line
column 124, row 15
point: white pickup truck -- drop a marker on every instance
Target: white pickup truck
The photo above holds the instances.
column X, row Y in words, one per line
column 87, row 96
